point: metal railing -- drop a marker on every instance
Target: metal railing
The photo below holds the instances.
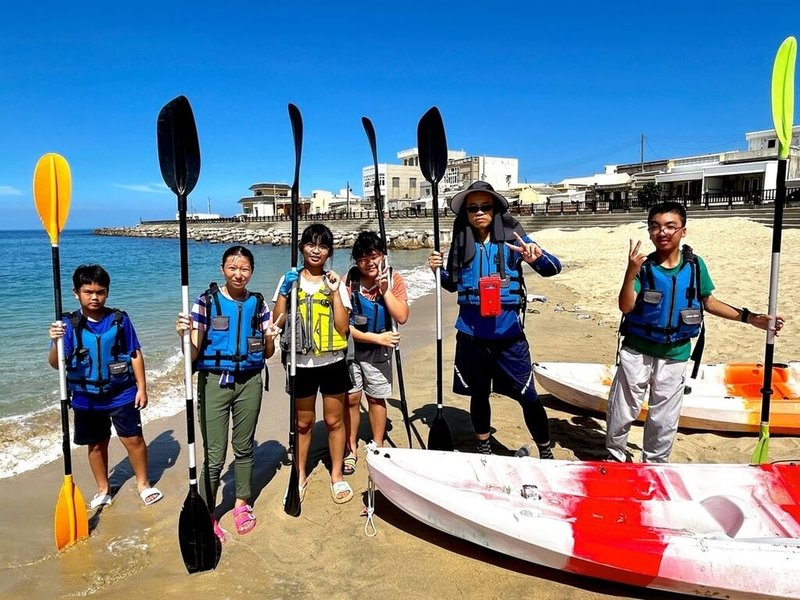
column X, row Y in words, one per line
column 706, row 201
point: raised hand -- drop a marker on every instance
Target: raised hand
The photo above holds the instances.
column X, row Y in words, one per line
column 332, row 280
column 383, row 277
column 635, row 258
column 530, row 250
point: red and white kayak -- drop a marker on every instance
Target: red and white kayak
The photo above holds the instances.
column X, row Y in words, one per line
column 721, row 531
column 724, row 397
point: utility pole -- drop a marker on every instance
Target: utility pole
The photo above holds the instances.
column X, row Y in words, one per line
column 641, row 153
column 348, row 199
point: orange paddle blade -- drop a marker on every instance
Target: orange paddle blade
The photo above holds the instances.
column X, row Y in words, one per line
column 52, row 189
column 72, row 521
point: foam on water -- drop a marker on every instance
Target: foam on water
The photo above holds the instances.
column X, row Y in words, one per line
column 34, row 438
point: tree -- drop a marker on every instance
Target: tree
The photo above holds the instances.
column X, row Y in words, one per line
column 649, row 195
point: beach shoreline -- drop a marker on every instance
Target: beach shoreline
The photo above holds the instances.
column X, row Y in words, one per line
column 325, row 552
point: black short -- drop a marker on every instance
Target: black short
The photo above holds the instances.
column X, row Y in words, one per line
column 94, row 426
column 331, row 379
column 502, row 366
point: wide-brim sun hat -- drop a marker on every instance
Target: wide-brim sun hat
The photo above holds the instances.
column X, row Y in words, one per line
column 457, row 202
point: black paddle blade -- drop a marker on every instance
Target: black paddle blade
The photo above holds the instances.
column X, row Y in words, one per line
column 178, row 148
column 200, row 547
column 439, row 437
column 291, row 504
column 432, row 145
column 297, row 133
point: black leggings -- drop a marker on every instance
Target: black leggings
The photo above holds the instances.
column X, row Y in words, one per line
column 480, row 411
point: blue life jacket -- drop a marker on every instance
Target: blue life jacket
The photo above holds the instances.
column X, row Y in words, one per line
column 492, row 259
column 99, row 363
column 377, row 316
column 368, row 316
column 668, row 308
column 234, row 341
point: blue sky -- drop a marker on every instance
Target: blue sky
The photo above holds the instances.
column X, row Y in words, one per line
column 565, row 89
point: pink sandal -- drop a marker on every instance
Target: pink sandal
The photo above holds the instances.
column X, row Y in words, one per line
column 218, row 531
column 244, row 519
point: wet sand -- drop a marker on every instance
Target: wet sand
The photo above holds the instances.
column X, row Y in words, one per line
column 133, row 549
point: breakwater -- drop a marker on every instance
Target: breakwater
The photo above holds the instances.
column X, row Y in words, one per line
column 344, row 232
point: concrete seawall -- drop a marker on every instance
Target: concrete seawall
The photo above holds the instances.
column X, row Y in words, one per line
column 413, row 233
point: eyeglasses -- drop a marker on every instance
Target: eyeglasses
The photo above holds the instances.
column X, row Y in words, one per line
column 317, row 247
column 368, row 259
column 484, row 208
column 668, row 229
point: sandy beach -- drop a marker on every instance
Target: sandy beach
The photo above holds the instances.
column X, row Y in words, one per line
column 325, row 552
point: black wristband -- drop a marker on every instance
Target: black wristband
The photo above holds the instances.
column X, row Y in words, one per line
column 745, row 315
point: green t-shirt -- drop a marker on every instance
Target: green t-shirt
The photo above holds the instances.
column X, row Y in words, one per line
column 679, row 350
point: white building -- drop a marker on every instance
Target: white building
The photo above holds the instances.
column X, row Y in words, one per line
column 734, row 174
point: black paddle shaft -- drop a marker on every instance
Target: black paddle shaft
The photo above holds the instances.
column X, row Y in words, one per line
column 777, row 231
column 65, row 447
column 373, row 145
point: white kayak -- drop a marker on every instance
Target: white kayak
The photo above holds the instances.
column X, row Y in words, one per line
column 723, row 397
column 721, row 531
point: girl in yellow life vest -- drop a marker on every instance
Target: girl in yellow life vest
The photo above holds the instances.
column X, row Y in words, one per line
column 323, row 325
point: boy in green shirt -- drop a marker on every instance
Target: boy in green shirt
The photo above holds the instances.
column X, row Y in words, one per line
column 663, row 298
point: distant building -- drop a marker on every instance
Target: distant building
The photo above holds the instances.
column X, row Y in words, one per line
column 323, row 201
column 403, row 185
column 271, row 199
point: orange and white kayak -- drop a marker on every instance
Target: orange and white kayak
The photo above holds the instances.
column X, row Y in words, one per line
column 723, row 397
column 716, row 531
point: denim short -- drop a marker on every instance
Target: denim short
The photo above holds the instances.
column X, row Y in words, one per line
column 94, row 426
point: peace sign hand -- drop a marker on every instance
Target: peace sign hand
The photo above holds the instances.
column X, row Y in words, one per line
column 635, row 258
column 530, row 250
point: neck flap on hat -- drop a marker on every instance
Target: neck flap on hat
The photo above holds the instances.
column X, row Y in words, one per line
column 462, row 247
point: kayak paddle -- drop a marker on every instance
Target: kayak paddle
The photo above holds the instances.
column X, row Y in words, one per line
column 52, row 188
column 432, row 145
column 179, row 158
column 782, row 116
column 373, row 144
column 291, row 504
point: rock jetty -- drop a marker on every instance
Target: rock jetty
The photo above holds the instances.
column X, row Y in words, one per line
column 408, row 238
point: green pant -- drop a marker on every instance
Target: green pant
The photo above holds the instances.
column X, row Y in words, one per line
column 238, row 405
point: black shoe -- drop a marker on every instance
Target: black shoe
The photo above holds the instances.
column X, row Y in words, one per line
column 545, row 452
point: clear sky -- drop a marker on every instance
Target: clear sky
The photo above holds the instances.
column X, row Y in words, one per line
column 565, row 88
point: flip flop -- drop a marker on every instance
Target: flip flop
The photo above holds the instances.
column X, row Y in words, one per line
column 350, row 465
column 100, row 500
column 341, row 487
column 302, row 490
column 244, row 519
column 150, row 495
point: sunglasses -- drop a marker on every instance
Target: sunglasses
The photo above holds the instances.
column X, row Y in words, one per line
column 484, row 208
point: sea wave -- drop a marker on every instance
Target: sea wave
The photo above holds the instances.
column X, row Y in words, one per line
column 34, row 439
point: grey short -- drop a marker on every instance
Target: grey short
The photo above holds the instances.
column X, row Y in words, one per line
column 374, row 378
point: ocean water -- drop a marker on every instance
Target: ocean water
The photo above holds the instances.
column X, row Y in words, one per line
column 145, row 282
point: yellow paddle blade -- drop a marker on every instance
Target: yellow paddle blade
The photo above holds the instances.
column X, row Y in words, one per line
column 761, row 453
column 72, row 521
column 783, row 94
column 52, row 189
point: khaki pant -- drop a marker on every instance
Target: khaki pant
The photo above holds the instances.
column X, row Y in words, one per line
column 636, row 373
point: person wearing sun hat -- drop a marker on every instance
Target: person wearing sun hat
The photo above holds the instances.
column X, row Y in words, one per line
column 484, row 266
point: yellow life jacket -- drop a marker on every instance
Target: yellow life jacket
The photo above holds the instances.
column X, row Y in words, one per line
column 316, row 316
